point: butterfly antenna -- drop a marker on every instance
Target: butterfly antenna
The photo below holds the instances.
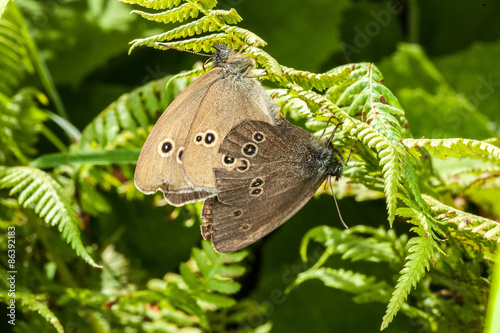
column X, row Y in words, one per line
column 334, row 131
column 237, row 53
column 324, row 130
column 203, row 66
column 350, row 151
column 184, row 50
column 336, row 204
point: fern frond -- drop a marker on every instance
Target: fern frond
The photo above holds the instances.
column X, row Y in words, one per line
column 358, row 173
column 390, row 152
column 179, row 14
column 154, row 4
column 353, row 244
column 366, row 288
column 266, row 61
column 244, row 36
column 478, row 170
column 363, row 94
column 444, row 148
column 308, row 80
column 15, row 61
column 36, row 303
column 420, row 254
column 325, row 106
column 198, row 44
column 464, row 222
column 41, row 192
column 209, row 23
column 391, row 160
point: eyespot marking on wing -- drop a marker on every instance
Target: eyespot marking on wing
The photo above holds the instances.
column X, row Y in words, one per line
column 256, row 192
column 210, row 138
column 258, row 137
column 180, row 154
column 198, row 138
column 245, row 227
column 238, row 213
column 257, row 182
column 249, row 149
column 243, row 165
column 228, row 161
column 166, row 147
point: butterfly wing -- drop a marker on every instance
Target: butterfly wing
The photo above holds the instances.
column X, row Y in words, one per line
column 229, row 102
column 281, row 174
column 160, row 163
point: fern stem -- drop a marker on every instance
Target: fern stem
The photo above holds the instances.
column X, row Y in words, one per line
column 413, row 21
column 54, row 139
column 39, row 64
column 493, row 315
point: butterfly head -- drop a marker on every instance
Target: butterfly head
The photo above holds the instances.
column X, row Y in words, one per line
column 335, row 163
column 233, row 62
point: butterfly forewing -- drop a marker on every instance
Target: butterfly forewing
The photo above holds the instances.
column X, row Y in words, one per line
column 160, row 170
column 181, row 152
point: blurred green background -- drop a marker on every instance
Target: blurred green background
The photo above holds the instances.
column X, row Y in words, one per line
column 440, row 59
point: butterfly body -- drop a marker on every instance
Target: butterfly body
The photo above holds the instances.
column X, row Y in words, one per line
column 181, row 151
column 275, row 170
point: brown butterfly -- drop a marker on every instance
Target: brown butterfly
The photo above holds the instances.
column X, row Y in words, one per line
column 275, row 171
column 182, row 150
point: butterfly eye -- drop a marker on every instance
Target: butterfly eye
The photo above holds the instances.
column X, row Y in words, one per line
column 258, row 137
column 166, row 147
column 249, row 149
column 243, row 165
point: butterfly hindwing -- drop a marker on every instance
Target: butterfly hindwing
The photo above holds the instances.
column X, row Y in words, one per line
column 281, row 176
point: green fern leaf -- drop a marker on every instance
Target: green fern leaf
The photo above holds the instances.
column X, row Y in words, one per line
column 154, row 4
column 187, row 302
column 206, row 24
column 444, row 148
column 41, row 192
column 265, row 61
column 309, row 80
column 15, row 61
column 178, row 14
column 245, row 36
column 36, row 303
column 339, row 279
column 391, row 157
column 466, row 223
column 364, row 94
column 195, row 44
column 390, row 152
column 420, row 254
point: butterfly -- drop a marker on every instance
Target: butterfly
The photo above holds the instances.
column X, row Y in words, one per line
column 181, row 151
column 275, row 170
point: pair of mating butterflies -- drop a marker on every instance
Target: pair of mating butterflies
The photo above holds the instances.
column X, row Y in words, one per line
column 220, row 141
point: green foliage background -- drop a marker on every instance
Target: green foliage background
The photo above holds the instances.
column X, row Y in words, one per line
column 68, row 85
